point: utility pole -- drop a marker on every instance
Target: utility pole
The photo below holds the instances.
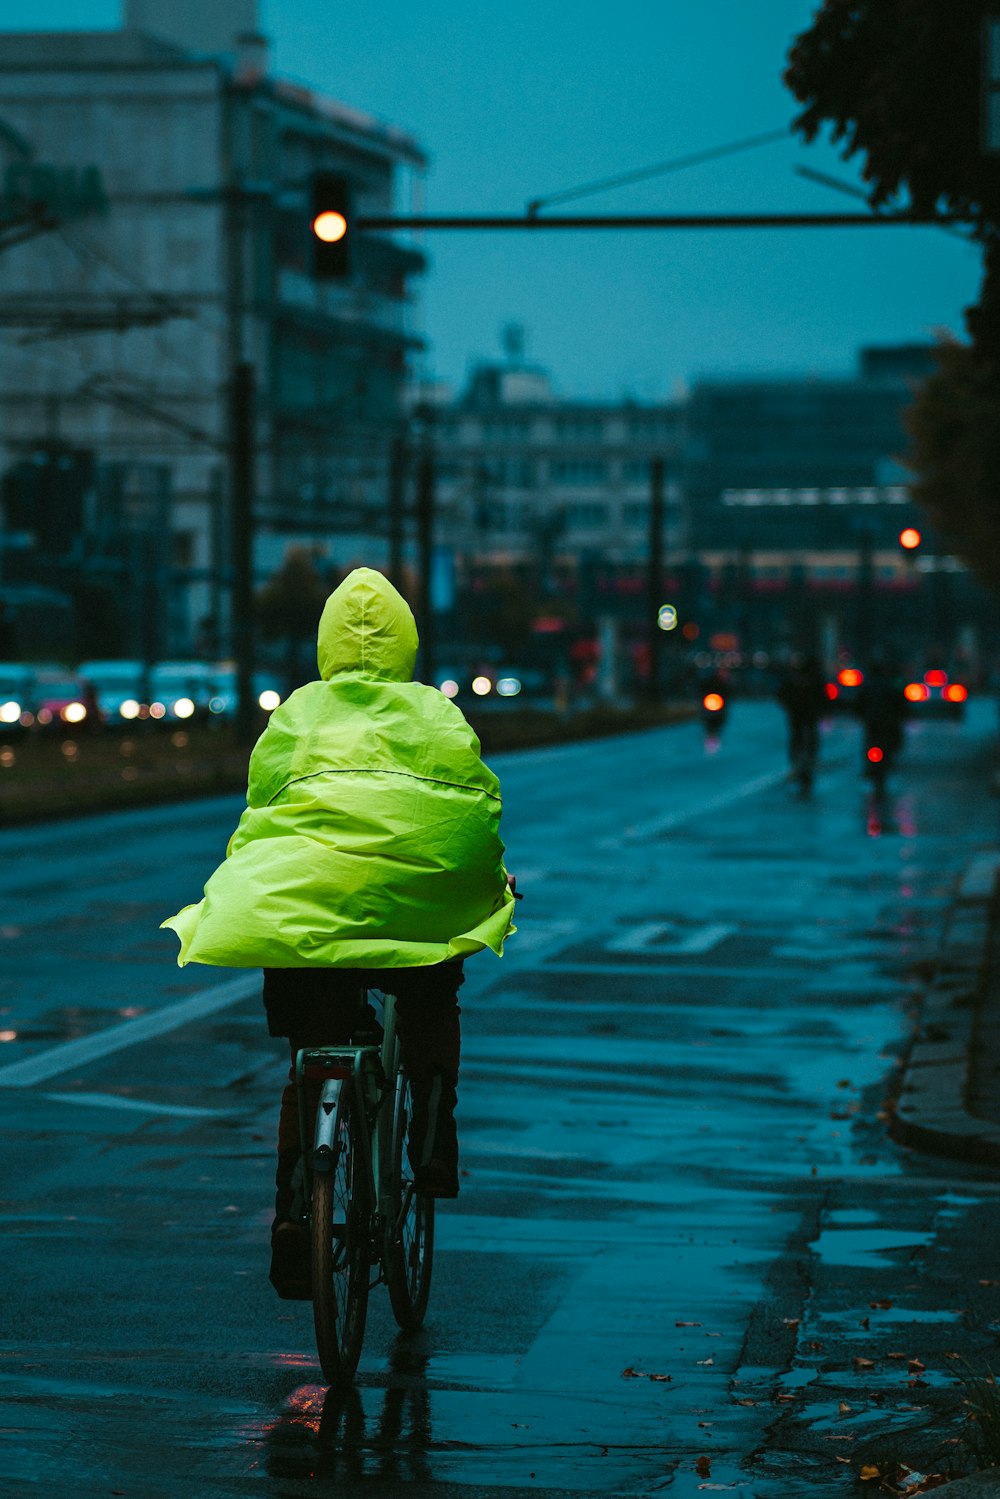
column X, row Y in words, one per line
column 654, row 577
column 242, row 428
column 425, row 552
column 398, row 463
column 865, row 630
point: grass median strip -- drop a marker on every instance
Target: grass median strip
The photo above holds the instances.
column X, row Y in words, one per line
column 51, row 776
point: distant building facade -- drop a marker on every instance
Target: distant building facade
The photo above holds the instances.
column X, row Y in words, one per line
column 124, row 310
column 796, row 492
column 521, row 471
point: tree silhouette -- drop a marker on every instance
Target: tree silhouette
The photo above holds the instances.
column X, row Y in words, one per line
column 899, row 82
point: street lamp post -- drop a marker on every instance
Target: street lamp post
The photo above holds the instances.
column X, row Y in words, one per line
column 654, row 578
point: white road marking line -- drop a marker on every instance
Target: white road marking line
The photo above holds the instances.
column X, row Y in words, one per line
column 657, row 825
column 138, row 1105
column 70, row 1054
column 666, row 970
column 640, row 938
column 650, row 937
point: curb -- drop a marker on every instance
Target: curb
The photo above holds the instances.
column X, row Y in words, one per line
column 982, row 1485
column 930, row 1112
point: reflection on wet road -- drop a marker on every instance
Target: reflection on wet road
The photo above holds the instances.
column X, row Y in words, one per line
column 669, row 1103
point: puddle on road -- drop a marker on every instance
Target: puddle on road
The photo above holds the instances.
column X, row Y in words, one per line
column 864, row 1248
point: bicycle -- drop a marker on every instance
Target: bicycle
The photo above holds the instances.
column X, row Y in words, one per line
column 362, row 1207
column 803, row 754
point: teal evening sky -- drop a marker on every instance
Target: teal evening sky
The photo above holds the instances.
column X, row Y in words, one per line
column 517, row 100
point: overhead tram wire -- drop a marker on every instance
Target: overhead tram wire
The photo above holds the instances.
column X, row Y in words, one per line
column 853, row 191
column 659, row 169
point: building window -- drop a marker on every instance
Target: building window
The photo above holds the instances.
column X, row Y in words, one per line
column 183, row 548
column 505, row 431
column 586, row 516
column 580, row 429
column 584, row 474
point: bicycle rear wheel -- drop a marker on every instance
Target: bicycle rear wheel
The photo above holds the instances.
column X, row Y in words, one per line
column 340, row 1247
column 409, row 1234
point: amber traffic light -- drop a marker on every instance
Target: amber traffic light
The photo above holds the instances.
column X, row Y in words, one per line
column 330, row 223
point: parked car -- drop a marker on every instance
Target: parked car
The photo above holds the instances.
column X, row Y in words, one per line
column 15, row 697
column 118, row 688
column 222, row 701
column 179, row 691
column 61, row 699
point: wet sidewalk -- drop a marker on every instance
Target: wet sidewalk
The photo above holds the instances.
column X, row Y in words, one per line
column 949, row 1101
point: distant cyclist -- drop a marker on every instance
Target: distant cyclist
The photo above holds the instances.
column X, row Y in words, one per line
column 882, row 709
column 802, row 694
column 369, row 855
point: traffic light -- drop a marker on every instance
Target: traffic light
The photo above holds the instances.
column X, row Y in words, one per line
column 330, row 224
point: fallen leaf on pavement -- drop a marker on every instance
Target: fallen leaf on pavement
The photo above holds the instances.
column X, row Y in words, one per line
column 864, row 1363
column 631, row 1373
column 897, row 1355
column 661, row 1378
column 989, row 1282
column 703, row 1361
column 882, row 1305
column 746, row 1402
column 844, row 1408
column 839, row 1459
column 703, row 1467
column 866, row 1323
column 916, row 1365
column 687, row 1324
column 791, row 1321
column 868, row 1472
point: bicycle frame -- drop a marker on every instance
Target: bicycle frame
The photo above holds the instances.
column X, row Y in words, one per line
column 371, row 1073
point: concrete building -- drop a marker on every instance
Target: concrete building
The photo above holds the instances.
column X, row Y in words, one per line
column 796, row 492
column 158, row 178
column 522, row 470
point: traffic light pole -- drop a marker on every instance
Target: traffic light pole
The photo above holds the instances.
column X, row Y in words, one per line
column 241, row 513
column 425, row 551
column 654, row 578
column 535, row 223
column 398, row 456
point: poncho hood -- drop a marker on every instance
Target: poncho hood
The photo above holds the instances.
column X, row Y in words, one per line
column 371, row 836
column 367, row 627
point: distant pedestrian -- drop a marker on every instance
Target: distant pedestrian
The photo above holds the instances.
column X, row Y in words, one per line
column 802, row 694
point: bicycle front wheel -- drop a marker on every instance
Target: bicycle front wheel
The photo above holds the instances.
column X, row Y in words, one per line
column 340, row 1248
column 409, row 1242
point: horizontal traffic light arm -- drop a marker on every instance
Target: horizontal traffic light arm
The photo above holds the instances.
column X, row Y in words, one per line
column 655, row 221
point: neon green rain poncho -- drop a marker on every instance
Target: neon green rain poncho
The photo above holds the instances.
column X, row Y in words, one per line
column 371, row 835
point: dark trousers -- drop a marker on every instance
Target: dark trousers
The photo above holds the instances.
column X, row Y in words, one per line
column 319, row 1007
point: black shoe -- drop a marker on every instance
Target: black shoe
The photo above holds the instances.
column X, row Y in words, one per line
column 437, row 1179
column 290, row 1274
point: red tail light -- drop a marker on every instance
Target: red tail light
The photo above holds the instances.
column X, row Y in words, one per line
column 916, row 692
column 935, row 678
column 956, row 693
column 875, row 754
column 831, row 691
column 713, row 702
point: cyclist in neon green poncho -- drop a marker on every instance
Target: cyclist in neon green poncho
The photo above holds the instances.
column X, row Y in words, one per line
column 369, row 852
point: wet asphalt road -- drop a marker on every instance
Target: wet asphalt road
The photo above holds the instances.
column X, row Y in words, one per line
column 673, row 1164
